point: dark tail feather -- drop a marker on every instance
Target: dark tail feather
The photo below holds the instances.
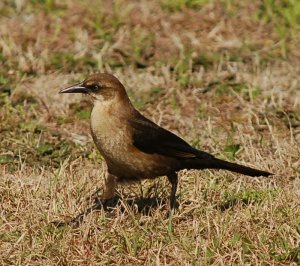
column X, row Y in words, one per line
column 214, row 163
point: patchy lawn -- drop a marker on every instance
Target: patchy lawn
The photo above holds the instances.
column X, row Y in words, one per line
column 224, row 75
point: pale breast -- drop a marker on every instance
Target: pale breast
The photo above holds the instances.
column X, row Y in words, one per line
column 112, row 136
column 109, row 133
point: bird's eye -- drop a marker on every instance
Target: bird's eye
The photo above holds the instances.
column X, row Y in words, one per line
column 94, row 87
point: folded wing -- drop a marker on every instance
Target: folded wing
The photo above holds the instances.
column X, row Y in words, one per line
column 150, row 138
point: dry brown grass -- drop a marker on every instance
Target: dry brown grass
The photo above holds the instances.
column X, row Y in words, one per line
column 221, row 75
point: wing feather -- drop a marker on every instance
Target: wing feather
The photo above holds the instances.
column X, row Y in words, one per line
column 151, row 138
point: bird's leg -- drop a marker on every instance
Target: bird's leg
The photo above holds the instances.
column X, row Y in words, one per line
column 110, row 186
column 108, row 194
column 109, row 190
column 173, row 178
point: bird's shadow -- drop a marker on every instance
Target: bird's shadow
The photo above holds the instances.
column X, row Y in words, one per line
column 143, row 205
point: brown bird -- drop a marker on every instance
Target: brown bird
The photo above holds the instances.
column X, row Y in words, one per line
column 134, row 147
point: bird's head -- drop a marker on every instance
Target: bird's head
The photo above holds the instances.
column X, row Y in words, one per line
column 101, row 87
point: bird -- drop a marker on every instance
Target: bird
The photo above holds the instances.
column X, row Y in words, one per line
column 135, row 148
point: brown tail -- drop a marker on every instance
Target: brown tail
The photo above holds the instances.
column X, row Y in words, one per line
column 214, row 163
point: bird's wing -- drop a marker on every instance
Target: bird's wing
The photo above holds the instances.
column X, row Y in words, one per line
column 150, row 138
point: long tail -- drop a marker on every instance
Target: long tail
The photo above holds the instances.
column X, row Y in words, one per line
column 214, row 163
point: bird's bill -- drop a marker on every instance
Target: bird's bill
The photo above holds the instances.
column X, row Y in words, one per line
column 77, row 88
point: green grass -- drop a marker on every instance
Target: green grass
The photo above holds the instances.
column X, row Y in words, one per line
column 177, row 5
column 285, row 17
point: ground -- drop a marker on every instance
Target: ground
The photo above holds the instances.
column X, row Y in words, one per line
column 223, row 75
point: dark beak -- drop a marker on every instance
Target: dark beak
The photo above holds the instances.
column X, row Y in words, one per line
column 77, row 88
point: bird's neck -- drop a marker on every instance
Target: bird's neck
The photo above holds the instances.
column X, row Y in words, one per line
column 115, row 107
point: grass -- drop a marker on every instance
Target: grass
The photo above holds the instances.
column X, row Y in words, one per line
column 224, row 75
